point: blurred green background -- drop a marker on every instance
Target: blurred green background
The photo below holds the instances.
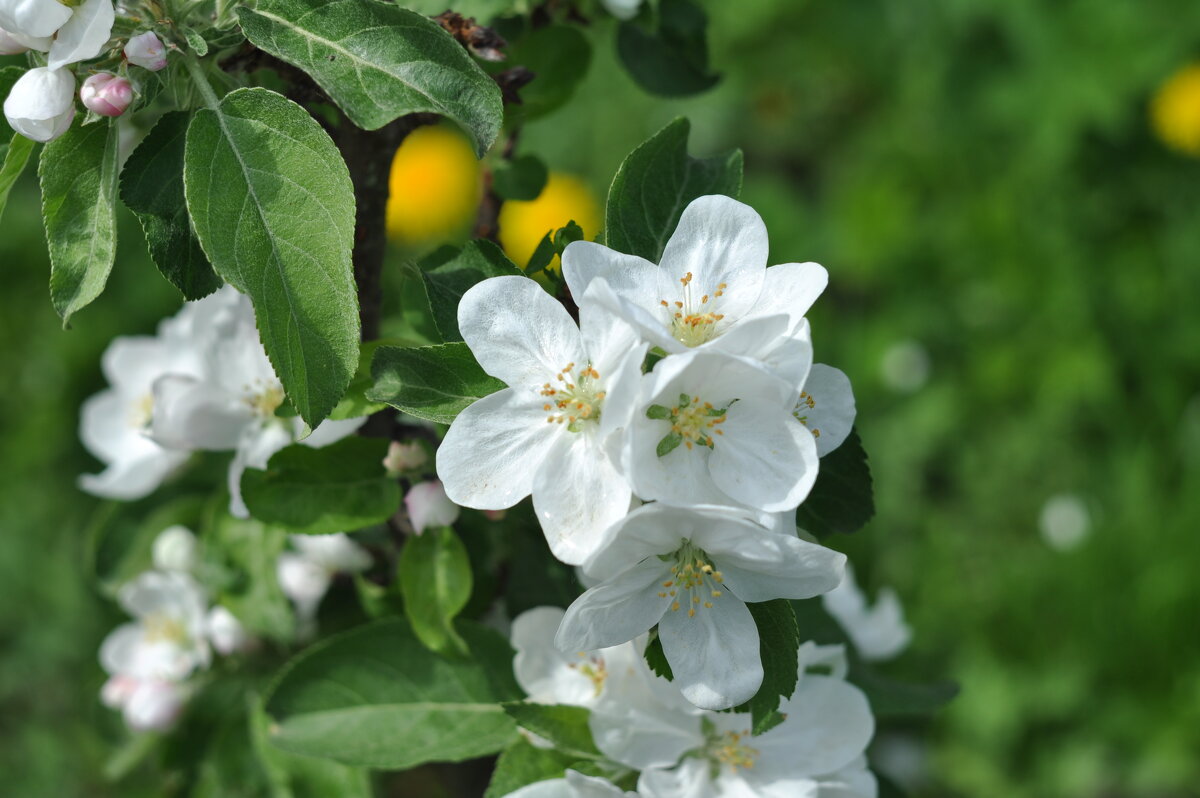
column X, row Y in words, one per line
column 1015, row 266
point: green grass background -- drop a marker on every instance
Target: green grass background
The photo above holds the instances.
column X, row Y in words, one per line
column 978, row 176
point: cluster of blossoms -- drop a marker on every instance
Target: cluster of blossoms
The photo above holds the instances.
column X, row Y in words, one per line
column 152, row 660
column 41, row 104
column 642, row 722
column 202, row 383
column 673, row 485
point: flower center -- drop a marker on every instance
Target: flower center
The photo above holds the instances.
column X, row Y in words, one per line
column 730, row 749
column 593, row 668
column 694, row 582
column 264, row 397
column 693, row 321
column 574, row 398
column 692, row 422
column 162, row 628
column 141, row 411
column 805, row 404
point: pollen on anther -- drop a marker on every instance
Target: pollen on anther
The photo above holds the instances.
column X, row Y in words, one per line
column 691, row 612
column 663, row 302
column 675, row 607
column 708, row 605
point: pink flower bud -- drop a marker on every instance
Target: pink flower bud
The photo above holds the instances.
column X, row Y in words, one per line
column 428, row 506
column 147, row 51
column 403, row 457
column 106, row 94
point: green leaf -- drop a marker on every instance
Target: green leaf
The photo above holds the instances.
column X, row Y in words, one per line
column 9, row 76
column 522, row 764
column 337, row 488
column 543, row 255
column 522, row 178
column 558, row 56
column 673, row 60
column 779, row 642
column 565, row 726
column 431, row 382
column 449, row 279
column 656, row 658
column 292, row 776
column 378, row 61
column 247, row 552
column 656, row 182
column 152, row 187
column 435, row 580
column 78, row 172
column 535, row 577
column 273, row 207
column 197, row 43
column 842, row 498
column 376, row 697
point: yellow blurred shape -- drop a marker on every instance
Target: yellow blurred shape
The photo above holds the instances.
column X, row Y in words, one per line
column 524, row 223
column 1175, row 110
column 434, row 188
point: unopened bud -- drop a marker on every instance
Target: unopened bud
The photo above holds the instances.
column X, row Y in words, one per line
column 155, row 706
column 106, row 94
column 41, row 104
column 175, row 547
column 147, row 51
column 225, row 631
column 428, row 506
column 403, row 457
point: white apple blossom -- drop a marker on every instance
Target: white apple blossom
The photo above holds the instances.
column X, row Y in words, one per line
column 712, row 289
column 34, row 17
column 41, row 104
column 147, row 51
column 305, row 574
column 167, row 641
column 826, row 407
column 711, row 428
column 569, row 390
column 230, row 401
column 175, row 549
column 637, row 718
column 428, row 505
column 878, row 632
column 691, row 571
column 146, row 704
column 225, row 631
column 816, row 752
column 574, row 785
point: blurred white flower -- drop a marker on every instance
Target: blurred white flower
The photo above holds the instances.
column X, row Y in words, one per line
column 225, row 631
column 305, row 574
column 428, row 505
column 147, row 51
column 905, row 366
column 41, row 104
column 229, row 402
column 175, row 549
column 574, row 785
column 622, row 9
column 1064, row 521
column 168, row 640
column 403, row 457
column 878, row 632
column 146, row 705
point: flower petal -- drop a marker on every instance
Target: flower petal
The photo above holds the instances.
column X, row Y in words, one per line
column 615, row 611
column 33, row 18
column 493, row 449
column 131, row 479
column 655, row 529
column 84, row 35
column 577, row 495
column 791, row 289
column 768, row 566
column 831, row 417
column 713, row 652
column 544, row 672
column 630, row 277
column 518, row 332
column 829, row 724
column 719, row 241
column 692, row 779
column 766, row 458
column 193, row 414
